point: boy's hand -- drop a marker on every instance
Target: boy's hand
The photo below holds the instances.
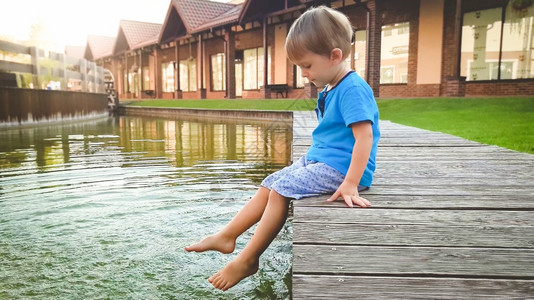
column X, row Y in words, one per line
column 349, row 193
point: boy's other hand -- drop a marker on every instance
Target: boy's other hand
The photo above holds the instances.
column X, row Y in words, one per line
column 349, row 193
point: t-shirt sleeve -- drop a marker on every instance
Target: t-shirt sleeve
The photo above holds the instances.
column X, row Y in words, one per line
column 358, row 105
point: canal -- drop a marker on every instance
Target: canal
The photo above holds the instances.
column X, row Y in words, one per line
column 103, row 209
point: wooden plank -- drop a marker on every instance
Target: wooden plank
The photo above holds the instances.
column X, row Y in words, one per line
column 447, row 151
column 395, row 142
column 432, row 140
column 460, row 170
column 472, row 164
column 458, row 179
column 381, row 287
column 12, row 47
column 448, row 156
column 414, row 261
column 398, row 143
column 452, row 190
column 425, row 235
column 450, row 218
column 486, row 202
column 480, row 155
column 15, row 67
column 445, row 217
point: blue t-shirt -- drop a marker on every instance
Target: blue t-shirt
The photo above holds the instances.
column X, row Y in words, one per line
column 350, row 101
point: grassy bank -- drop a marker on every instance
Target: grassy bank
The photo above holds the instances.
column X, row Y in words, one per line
column 506, row 122
column 246, row 104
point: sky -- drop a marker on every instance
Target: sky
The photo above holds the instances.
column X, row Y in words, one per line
column 69, row 22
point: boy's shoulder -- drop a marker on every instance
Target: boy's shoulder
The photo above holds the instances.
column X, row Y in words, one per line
column 355, row 83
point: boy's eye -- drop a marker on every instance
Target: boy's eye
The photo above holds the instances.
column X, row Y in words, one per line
column 306, row 67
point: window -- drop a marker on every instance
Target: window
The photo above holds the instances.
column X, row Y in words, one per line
column 394, row 53
column 299, row 80
column 239, row 79
column 403, row 29
column 253, row 68
column 493, row 51
column 146, row 79
column 125, row 85
column 387, row 74
column 133, row 82
column 167, row 77
column 360, row 54
column 218, row 72
column 188, row 75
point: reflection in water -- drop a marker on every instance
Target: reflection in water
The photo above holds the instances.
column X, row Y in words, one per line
column 183, row 143
column 103, row 209
column 186, row 143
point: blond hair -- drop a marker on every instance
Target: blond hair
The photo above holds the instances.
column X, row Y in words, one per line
column 319, row 30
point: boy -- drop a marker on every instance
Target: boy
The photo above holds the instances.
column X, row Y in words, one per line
column 341, row 159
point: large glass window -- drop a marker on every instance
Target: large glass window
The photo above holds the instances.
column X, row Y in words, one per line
column 239, row 79
column 167, row 77
column 125, row 85
column 493, row 51
column 299, row 80
column 133, row 82
column 188, row 75
column 360, row 53
column 394, row 53
column 253, row 68
column 146, row 79
column 218, row 72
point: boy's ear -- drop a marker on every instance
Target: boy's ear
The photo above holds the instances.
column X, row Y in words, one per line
column 336, row 54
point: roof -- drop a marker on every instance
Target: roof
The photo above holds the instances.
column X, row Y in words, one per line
column 258, row 9
column 75, row 51
column 190, row 16
column 98, row 47
column 134, row 35
column 228, row 17
column 195, row 13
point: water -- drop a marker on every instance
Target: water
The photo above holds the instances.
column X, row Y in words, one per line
column 103, row 209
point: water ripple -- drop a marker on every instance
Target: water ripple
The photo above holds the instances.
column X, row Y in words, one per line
column 104, row 210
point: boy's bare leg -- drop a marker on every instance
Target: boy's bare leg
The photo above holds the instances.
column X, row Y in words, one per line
column 224, row 240
column 246, row 263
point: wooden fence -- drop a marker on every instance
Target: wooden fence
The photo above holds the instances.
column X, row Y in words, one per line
column 73, row 74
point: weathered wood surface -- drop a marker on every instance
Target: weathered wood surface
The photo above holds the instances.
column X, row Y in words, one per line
column 451, row 219
column 383, row 287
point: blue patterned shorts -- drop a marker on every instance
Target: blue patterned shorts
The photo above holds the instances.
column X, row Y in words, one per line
column 304, row 178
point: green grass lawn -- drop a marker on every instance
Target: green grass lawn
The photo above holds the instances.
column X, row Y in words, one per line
column 246, row 104
column 506, row 122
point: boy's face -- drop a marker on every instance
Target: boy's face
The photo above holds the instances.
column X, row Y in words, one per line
column 319, row 69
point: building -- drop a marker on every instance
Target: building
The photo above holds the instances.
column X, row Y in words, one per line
column 408, row 48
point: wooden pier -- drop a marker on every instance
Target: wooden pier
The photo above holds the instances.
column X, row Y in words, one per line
column 451, row 219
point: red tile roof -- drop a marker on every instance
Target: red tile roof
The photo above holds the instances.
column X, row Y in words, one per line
column 99, row 46
column 139, row 34
column 229, row 16
column 195, row 13
column 195, row 16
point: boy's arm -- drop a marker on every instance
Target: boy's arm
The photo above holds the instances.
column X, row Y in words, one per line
column 348, row 190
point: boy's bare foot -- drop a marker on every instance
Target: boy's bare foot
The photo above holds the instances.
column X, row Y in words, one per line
column 215, row 242
column 233, row 273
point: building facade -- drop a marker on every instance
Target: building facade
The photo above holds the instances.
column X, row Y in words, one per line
column 409, row 48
